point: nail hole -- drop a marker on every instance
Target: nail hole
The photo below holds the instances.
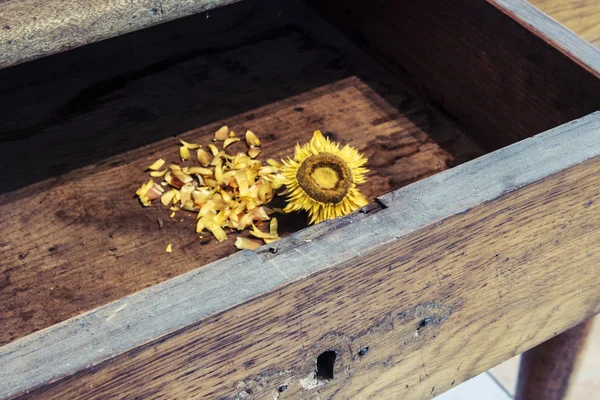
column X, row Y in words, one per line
column 282, row 388
column 273, row 250
column 424, row 322
column 363, row 352
column 325, row 364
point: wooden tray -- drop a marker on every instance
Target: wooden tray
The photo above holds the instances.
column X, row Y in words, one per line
column 480, row 241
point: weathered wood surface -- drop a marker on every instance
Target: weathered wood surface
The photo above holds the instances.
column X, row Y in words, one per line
column 31, row 29
column 459, row 272
column 73, row 237
column 546, row 370
column 501, row 68
column 581, row 16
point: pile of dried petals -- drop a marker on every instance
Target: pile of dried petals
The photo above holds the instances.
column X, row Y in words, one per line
column 226, row 191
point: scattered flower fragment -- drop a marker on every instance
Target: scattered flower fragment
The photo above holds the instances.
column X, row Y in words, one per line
column 222, row 133
column 254, row 152
column 227, row 192
column 169, row 248
column 148, row 192
column 204, row 158
column 184, row 153
column 157, row 164
column 158, row 174
column 251, row 139
column 190, row 146
column 243, row 243
column 229, row 141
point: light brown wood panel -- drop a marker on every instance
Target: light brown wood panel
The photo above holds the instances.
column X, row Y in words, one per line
column 581, row 16
column 34, row 28
column 434, row 308
column 72, row 235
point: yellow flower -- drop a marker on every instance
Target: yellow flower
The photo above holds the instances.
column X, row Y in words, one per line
column 322, row 179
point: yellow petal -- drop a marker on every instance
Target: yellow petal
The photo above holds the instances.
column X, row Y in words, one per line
column 251, row 139
column 200, row 225
column 157, row 164
column 186, row 193
column 169, row 248
column 242, row 180
column 228, row 141
column 158, row 173
column 203, row 157
column 219, row 173
column 172, row 214
column 184, row 153
column 190, row 146
column 222, row 133
column 217, row 231
column 232, row 134
column 254, row 152
column 273, row 225
column 245, row 221
column 199, row 171
column 263, row 235
column 189, row 206
column 179, row 174
column 213, row 149
column 246, row 244
column 167, row 197
column 274, row 163
column 210, row 183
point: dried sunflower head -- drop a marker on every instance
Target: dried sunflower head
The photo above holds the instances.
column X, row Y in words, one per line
column 322, row 179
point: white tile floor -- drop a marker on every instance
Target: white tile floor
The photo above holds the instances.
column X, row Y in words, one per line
column 500, row 382
column 482, row 387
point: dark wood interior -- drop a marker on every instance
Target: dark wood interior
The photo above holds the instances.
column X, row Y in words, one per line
column 78, row 129
column 499, row 79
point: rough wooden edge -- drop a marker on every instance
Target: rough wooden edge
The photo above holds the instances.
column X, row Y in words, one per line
column 31, row 29
column 90, row 338
column 553, row 32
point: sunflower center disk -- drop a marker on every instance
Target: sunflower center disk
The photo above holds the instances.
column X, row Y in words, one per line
column 325, row 178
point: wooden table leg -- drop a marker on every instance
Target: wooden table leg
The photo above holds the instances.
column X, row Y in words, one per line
column 547, row 369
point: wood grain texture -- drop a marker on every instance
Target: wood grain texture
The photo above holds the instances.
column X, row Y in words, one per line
column 581, row 16
column 437, row 304
column 501, row 68
column 547, row 370
column 72, row 236
column 30, row 29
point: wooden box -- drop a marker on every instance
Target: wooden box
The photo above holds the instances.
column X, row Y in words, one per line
column 482, row 238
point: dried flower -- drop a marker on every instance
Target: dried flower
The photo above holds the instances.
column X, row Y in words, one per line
column 322, row 179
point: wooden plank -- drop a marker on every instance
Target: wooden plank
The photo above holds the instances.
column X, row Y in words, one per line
column 461, row 271
column 501, row 68
column 30, row 29
column 581, row 16
column 73, row 237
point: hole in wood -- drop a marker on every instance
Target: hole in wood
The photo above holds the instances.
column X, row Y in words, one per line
column 325, row 364
column 363, row 352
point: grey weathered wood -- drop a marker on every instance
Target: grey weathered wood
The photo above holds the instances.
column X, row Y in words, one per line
column 30, row 29
column 90, row 338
